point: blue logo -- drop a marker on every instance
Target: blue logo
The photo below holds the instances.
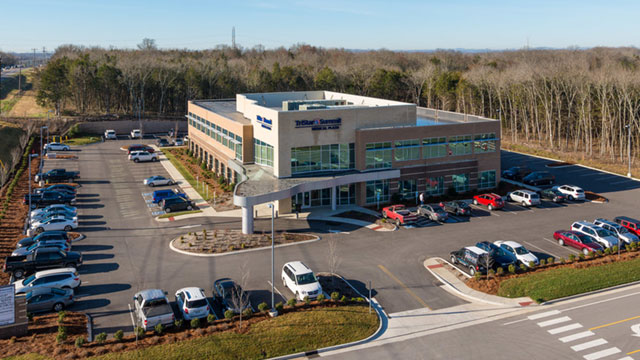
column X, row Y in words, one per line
column 264, row 122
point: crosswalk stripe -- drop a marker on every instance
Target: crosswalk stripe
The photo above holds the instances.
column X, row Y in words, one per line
column 577, row 336
column 626, row 358
column 544, row 314
column 564, row 328
column 602, row 353
column 589, row 344
column 554, row 321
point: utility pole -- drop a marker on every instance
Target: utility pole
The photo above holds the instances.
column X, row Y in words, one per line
column 34, row 57
column 233, row 37
column 628, row 126
column 20, row 80
column 44, row 54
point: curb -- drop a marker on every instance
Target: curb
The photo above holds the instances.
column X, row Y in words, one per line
column 240, row 251
column 81, row 237
column 180, row 217
column 576, row 296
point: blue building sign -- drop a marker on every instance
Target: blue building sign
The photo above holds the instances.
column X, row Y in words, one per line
column 319, row 124
column 264, row 122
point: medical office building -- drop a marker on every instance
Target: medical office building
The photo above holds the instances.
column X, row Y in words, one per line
column 322, row 148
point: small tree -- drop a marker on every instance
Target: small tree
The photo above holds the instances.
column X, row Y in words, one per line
column 80, row 341
column 195, row 323
column 159, row 329
column 101, row 338
column 335, row 296
column 512, row 269
column 292, row 302
column 239, row 297
column 118, row 335
column 333, row 257
column 61, row 316
column 486, row 261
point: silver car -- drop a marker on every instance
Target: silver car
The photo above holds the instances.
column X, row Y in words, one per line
column 65, row 278
column 60, row 244
column 618, row 230
column 48, row 299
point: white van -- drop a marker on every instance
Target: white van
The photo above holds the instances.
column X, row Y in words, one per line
column 300, row 280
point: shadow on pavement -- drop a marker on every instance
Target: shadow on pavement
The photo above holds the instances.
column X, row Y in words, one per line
column 92, row 257
column 85, row 248
column 91, row 290
column 97, row 268
column 89, row 304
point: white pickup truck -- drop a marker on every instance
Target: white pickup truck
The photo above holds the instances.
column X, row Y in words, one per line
column 152, row 308
column 136, row 134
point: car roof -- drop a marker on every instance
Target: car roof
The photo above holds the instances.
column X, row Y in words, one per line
column 626, row 218
column 585, row 223
column 42, row 273
column 527, row 191
column 194, row 293
column 151, row 294
column 605, row 221
column 511, row 243
column 298, row 267
column 476, row 250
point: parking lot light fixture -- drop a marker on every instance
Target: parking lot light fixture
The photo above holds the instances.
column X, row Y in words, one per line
column 273, row 311
column 29, row 181
column 628, row 126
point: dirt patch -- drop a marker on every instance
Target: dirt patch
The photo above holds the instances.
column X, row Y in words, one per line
column 27, row 106
column 385, row 224
column 595, row 197
column 222, row 241
column 357, row 215
column 62, row 156
column 559, row 164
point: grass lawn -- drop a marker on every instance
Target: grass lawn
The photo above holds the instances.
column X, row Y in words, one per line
column 82, row 140
column 179, row 213
column 185, row 173
column 27, row 357
column 287, row 334
column 567, row 281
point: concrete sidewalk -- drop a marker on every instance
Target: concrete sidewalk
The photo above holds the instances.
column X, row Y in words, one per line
column 326, row 214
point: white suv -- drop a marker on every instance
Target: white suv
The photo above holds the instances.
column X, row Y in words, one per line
column 136, row 134
column 138, row 156
column 525, row 197
column 618, row 230
column 110, row 135
column 300, row 280
column 192, row 302
column 572, row 192
column 65, row 278
column 604, row 237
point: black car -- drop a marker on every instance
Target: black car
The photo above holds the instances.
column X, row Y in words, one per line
column 473, row 258
column 516, row 173
column 48, row 198
column 539, row 178
column 500, row 257
column 176, row 203
column 139, row 147
column 163, row 142
column 457, row 208
column 224, row 291
column 553, row 195
column 63, row 188
column 47, row 235
column 41, row 259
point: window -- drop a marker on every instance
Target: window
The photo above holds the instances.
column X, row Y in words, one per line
column 322, row 158
column 407, row 150
column 435, row 186
column 434, row 147
column 377, row 189
column 408, row 189
column 460, row 145
column 487, row 179
column 460, row 182
column 263, row 153
column 346, row 194
column 484, row 143
column 378, row 155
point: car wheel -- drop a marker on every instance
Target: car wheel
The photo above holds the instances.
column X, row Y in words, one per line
column 135, row 160
column 490, row 207
column 68, row 228
column 472, row 271
column 58, row 307
column 154, row 159
column 397, row 222
column 560, row 242
column 152, row 184
column 453, row 259
column 284, row 283
column 167, row 210
column 524, row 204
column 570, row 197
column 189, row 207
column 39, row 230
column 18, row 273
column 475, row 202
column 585, row 251
column 66, row 288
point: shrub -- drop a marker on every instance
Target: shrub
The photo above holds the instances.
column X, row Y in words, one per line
column 139, row 331
column 247, row 313
column 542, row 262
column 60, row 338
column 335, row 296
column 263, row 306
column 292, row 302
column 159, row 329
column 572, row 258
column 551, row 260
column 101, row 338
column 80, row 342
column 532, row 264
column 614, row 249
column 118, row 335
column 491, row 273
column 229, row 314
column 61, row 316
column 178, row 323
column 211, row 318
column 607, row 251
column 62, row 330
column 195, row 323
column 306, row 300
column 320, row 298
column 523, row 267
column 627, row 247
column 500, row 271
column 343, row 298
column 634, row 246
column 280, row 307
column 477, row 275
column 512, row 269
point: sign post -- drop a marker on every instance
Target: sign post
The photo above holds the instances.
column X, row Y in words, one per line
column 378, row 199
column 7, row 305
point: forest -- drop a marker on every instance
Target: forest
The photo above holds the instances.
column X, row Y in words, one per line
column 571, row 99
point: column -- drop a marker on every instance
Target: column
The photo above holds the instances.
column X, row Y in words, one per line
column 334, row 197
column 247, row 219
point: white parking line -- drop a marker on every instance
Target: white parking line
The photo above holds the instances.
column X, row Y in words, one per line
column 602, row 353
column 541, row 249
column 278, row 291
column 564, row 328
column 589, row 344
column 621, row 182
column 554, row 321
column 577, row 336
column 568, row 248
column 544, row 314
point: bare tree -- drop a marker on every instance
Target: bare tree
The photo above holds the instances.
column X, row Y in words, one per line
column 333, row 257
column 239, row 297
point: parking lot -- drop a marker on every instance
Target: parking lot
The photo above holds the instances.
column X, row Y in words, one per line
column 126, row 250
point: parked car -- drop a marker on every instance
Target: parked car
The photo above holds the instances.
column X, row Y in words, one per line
column 516, row 173
column 176, row 203
column 460, row 208
column 65, row 278
column 159, row 195
column 192, row 302
column 225, row 291
column 162, row 142
column 473, row 258
column 553, row 195
column 41, row 259
column 433, row 212
column 178, row 142
column 618, row 230
column 54, row 223
column 58, row 175
column 48, row 299
column 136, row 134
column 632, row 225
column 53, row 213
column 539, row 178
column 491, row 201
column 572, row 192
column 56, row 146
column 524, row 197
column 60, row 244
column 299, row 278
column 65, row 188
column 604, row 237
column 157, row 181
column 399, row 214
column 501, row 258
column 578, row 240
column 140, row 156
column 48, row 198
column 45, row 236
column 110, row 135
column 521, row 253
column 139, row 147
column 151, row 308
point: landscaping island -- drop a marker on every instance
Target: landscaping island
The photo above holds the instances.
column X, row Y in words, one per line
column 221, row 241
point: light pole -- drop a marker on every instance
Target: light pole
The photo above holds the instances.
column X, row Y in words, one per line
column 41, row 148
column 628, row 126
column 273, row 309
column 48, row 125
column 29, row 216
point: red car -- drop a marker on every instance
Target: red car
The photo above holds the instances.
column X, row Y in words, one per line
column 632, row 225
column 491, row 201
column 399, row 213
column 582, row 242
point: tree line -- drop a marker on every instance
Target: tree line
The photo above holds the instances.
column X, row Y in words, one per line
column 566, row 99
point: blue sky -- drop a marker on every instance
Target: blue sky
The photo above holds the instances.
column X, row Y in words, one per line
column 354, row 24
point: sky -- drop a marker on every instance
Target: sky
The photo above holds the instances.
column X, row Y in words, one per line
column 351, row 24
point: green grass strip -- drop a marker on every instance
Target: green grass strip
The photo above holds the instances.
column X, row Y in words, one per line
column 567, row 281
column 185, row 173
column 179, row 213
column 85, row 140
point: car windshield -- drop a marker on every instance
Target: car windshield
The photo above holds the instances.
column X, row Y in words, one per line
column 603, row 233
column 197, row 303
column 622, row 230
column 307, row 278
column 29, row 280
column 579, row 191
column 463, row 205
column 521, row 250
column 437, row 209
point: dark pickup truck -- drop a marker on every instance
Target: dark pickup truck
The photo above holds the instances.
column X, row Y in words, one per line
column 58, row 175
column 41, row 259
column 49, row 198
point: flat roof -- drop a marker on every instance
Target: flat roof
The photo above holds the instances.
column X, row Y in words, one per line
column 226, row 108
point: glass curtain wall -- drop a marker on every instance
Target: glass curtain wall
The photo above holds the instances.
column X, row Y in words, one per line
column 263, row 153
column 378, row 155
column 333, row 157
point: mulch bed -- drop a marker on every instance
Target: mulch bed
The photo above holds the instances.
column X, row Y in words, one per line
column 221, row 241
column 62, row 156
column 559, row 164
column 595, row 197
column 331, row 282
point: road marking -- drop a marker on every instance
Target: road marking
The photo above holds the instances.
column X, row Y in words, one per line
column 577, row 336
column 564, row 328
column 541, row 249
column 189, row 226
column 614, row 323
column 601, row 301
column 513, row 322
column 406, row 288
column 626, row 358
column 276, row 289
column 544, row 314
column 602, row 353
column 554, row 321
column 620, row 182
column 568, row 248
column 589, row 344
